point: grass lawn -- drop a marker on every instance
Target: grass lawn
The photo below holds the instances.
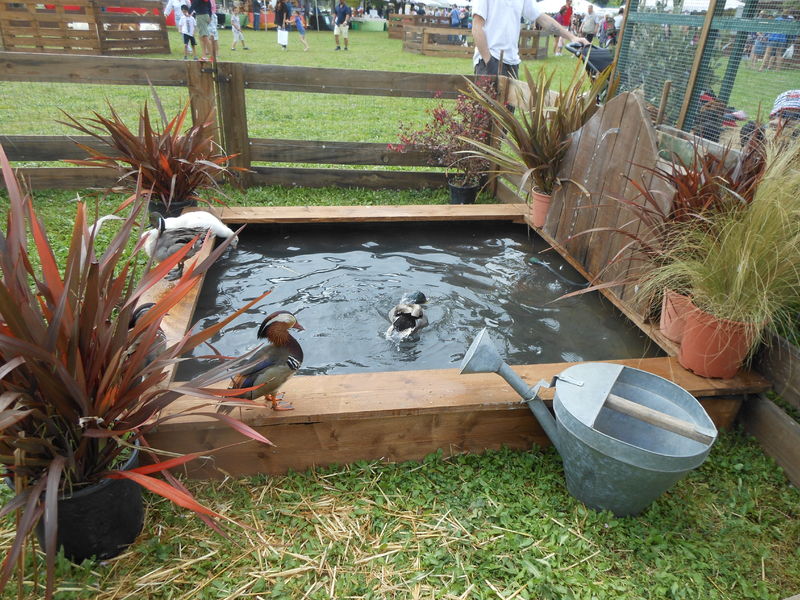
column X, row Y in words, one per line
column 500, row 525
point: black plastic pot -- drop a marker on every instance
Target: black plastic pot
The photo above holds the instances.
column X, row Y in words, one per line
column 463, row 195
column 174, row 209
column 101, row 520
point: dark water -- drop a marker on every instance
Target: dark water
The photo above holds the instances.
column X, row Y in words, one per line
column 341, row 281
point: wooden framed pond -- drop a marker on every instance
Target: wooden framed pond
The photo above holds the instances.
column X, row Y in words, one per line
column 400, row 414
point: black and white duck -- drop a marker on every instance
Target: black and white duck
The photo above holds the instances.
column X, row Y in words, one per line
column 277, row 360
column 159, row 343
column 407, row 317
column 173, row 233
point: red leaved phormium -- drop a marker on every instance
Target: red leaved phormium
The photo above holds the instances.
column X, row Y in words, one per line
column 78, row 382
column 171, row 163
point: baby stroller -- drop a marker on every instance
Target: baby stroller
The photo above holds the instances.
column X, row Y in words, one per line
column 596, row 59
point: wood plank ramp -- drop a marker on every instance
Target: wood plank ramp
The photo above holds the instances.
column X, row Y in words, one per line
column 374, row 214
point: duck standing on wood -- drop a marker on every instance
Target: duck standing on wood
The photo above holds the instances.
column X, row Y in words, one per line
column 173, row 233
column 407, row 317
column 277, row 360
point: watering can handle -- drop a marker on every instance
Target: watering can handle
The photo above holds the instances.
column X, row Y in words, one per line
column 659, row 419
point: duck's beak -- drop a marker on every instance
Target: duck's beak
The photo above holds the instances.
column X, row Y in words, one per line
column 298, row 326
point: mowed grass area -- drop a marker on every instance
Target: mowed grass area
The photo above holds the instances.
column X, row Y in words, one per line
column 499, row 525
column 496, row 526
column 34, row 108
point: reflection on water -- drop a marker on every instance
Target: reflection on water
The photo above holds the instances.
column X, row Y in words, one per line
column 341, row 281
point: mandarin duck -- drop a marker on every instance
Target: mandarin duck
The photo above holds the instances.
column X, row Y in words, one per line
column 276, row 361
column 173, row 233
column 407, row 317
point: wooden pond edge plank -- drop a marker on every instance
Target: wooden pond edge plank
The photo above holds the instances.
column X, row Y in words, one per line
column 381, row 213
column 776, row 432
column 403, row 393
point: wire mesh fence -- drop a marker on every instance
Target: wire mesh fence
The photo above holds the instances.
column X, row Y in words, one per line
column 711, row 66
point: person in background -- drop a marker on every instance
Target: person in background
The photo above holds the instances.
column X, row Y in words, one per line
column 256, row 8
column 298, row 23
column 236, row 28
column 566, row 22
column 343, row 14
column 591, row 23
column 455, row 21
column 213, row 32
column 186, row 25
column 495, row 28
column 777, row 43
column 619, row 18
column 281, row 16
column 201, row 9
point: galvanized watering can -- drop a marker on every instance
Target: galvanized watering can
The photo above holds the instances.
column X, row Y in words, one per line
column 624, row 435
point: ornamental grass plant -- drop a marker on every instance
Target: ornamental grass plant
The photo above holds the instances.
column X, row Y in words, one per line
column 82, row 382
column 741, row 264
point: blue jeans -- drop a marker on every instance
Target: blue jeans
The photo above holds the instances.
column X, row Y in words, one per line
column 256, row 21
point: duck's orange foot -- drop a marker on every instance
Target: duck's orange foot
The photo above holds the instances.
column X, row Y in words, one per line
column 278, row 403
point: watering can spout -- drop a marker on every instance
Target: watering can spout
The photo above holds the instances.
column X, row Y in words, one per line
column 483, row 357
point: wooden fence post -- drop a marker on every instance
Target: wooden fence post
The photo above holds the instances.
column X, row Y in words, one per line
column 202, row 96
column 232, row 116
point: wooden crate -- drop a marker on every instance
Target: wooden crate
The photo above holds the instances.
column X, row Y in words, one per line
column 394, row 26
column 143, row 31
column 84, row 27
column 28, row 26
column 432, row 40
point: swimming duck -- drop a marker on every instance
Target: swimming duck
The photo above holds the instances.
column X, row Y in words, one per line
column 159, row 344
column 278, row 359
column 407, row 317
column 171, row 234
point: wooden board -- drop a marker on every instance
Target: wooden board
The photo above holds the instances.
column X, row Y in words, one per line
column 32, row 148
column 376, row 214
column 347, row 178
column 78, row 178
column 101, row 70
column 777, row 432
column 399, row 416
column 353, row 81
column 333, row 153
column 779, row 361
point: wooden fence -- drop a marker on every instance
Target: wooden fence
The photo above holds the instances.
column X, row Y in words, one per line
column 446, row 41
column 221, row 87
column 84, row 27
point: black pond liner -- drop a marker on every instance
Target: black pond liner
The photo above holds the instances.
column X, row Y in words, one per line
column 340, row 280
column 100, row 520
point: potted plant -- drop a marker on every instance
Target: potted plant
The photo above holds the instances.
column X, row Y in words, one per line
column 173, row 165
column 741, row 267
column 537, row 135
column 443, row 140
column 83, row 382
column 700, row 186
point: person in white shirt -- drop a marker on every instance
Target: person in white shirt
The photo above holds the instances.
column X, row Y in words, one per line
column 186, row 25
column 591, row 23
column 495, row 29
column 619, row 18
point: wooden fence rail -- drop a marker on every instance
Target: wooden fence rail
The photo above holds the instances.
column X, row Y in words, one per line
column 218, row 92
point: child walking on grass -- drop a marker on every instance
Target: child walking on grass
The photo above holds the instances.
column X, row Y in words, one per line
column 186, row 25
column 236, row 27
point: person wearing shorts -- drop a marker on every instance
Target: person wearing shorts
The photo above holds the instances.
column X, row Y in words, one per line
column 186, row 26
column 202, row 14
column 213, row 33
column 342, row 23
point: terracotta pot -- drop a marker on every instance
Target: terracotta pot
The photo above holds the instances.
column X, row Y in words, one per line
column 540, row 206
column 713, row 347
column 674, row 307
